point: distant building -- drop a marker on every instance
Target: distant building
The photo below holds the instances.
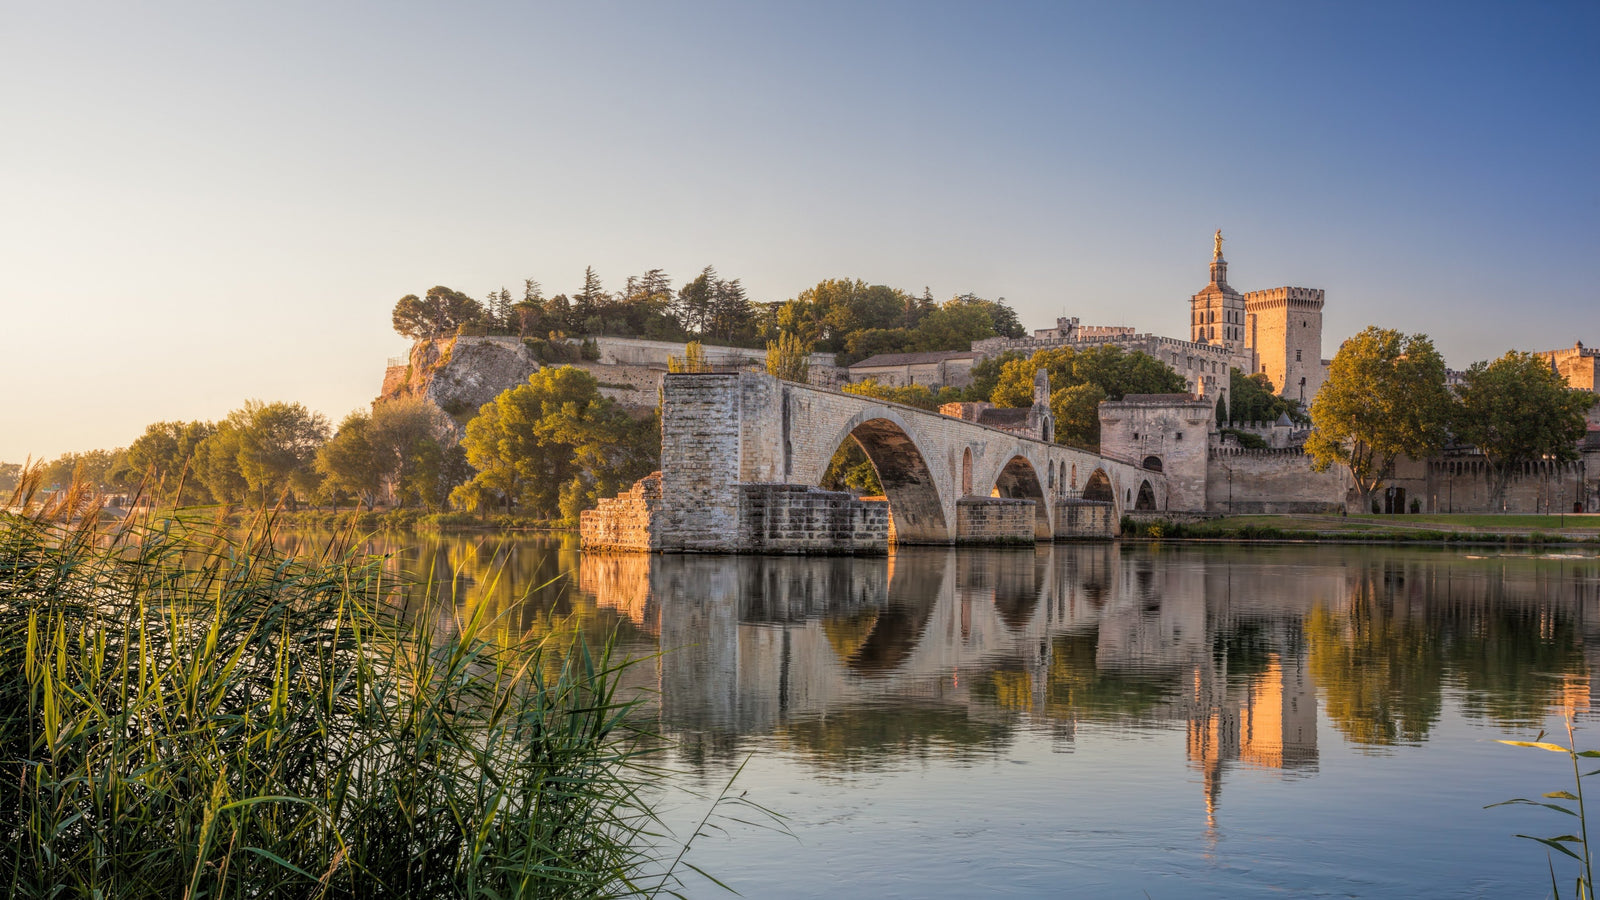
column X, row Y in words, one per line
column 939, row 369
column 1277, row 332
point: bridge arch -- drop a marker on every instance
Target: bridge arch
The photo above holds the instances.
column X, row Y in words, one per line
column 1019, row 480
column 1098, row 487
column 915, row 504
column 1147, row 497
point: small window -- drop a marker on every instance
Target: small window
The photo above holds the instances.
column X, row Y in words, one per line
column 1297, row 356
column 1178, row 437
column 1136, row 435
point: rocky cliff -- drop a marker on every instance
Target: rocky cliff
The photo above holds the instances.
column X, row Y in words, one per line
column 460, row 374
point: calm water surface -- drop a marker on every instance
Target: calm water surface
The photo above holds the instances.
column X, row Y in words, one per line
column 1095, row 720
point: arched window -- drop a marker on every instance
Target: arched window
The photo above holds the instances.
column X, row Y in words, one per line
column 1074, row 476
column 966, row 472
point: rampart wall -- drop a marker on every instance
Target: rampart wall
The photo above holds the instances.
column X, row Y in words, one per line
column 1275, row 481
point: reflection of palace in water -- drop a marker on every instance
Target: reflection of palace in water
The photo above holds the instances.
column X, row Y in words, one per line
column 842, row 657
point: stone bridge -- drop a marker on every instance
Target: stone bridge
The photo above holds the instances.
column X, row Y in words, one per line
column 742, row 455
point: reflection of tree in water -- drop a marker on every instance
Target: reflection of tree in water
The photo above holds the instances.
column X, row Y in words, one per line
column 870, row 735
column 1502, row 633
column 1379, row 670
column 1507, row 659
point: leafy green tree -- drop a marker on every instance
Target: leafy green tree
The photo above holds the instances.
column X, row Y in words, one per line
column 10, row 476
column 986, row 375
column 533, row 441
column 103, row 470
column 350, row 463
column 1254, row 400
column 438, row 313
column 217, row 463
column 1076, row 409
column 828, row 313
column 1385, row 397
column 693, row 308
column 278, row 445
column 871, row 342
column 167, row 450
column 1003, row 319
column 1111, row 371
column 789, row 358
column 1517, row 410
column 953, row 326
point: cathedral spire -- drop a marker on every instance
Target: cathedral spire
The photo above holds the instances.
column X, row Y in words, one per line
column 1219, row 266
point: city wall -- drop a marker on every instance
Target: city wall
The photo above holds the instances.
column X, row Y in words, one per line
column 1273, row 481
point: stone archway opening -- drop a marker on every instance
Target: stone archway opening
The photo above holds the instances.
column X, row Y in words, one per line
column 1020, row 481
column 1147, row 497
column 1098, row 488
column 916, row 515
column 1152, row 464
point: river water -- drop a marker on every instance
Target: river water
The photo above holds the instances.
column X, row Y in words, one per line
column 1093, row 720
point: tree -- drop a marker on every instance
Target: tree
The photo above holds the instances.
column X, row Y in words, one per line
column 692, row 360
column 588, row 303
column 1516, row 410
column 529, row 444
column 1385, row 397
column 350, row 463
column 731, row 316
column 270, row 447
column 167, row 451
column 10, row 476
column 953, row 326
column 1076, row 410
column 1254, row 400
column 789, row 358
column 696, row 299
column 440, row 312
column 216, row 461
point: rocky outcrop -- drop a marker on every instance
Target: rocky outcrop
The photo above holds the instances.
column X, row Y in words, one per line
column 460, row 374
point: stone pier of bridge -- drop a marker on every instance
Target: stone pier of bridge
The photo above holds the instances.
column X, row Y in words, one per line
column 743, row 455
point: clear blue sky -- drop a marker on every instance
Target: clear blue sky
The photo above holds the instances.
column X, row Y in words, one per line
column 212, row 202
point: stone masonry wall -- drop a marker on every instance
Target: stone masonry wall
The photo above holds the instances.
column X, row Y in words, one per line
column 700, row 454
column 1461, row 484
column 1243, row 482
column 793, row 518
column 994, row 520
column 1085, row 520
column 1174, row 431
column 626, row 521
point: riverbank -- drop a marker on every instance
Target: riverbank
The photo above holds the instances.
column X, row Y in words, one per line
column 1441, row 528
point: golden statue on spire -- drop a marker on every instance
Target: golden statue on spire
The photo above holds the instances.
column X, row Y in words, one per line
column 1216, row 254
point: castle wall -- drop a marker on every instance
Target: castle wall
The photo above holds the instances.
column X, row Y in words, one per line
column 1462, row 484
column 1175, row 432
column 1275, row 481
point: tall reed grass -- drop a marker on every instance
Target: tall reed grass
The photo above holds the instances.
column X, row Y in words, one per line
column 187, row 712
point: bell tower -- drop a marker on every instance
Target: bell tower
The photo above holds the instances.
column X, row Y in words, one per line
column 1216, row 314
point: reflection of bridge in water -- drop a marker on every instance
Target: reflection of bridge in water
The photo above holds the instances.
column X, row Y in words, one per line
column 833, row 654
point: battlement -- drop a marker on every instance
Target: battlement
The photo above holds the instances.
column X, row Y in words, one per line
column 1303, row 298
